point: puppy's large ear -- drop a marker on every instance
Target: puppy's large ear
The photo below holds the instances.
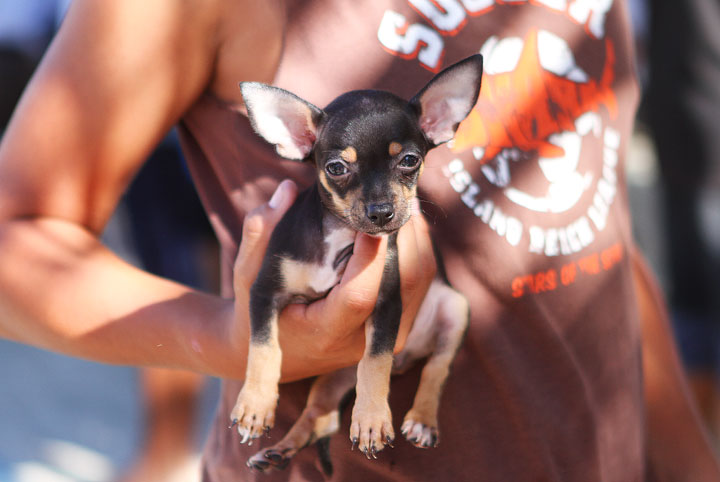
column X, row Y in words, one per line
column 282, row 118
column 448, row 98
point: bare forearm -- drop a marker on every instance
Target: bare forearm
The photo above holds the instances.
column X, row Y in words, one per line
column 678, row 448
column 61, row 290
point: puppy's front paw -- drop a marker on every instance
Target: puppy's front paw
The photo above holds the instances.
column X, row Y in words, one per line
column 254, row 413
column 371, row 427
column 419, row 430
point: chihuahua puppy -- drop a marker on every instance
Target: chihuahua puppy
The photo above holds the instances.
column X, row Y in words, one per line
column 367, row 148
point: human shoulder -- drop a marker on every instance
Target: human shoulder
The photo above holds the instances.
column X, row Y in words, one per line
column 251, row 42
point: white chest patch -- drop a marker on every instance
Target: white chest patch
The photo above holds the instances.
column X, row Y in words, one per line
column 311, row 279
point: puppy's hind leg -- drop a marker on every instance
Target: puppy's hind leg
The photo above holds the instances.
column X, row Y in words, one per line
column 319, row 419
column 420, row 424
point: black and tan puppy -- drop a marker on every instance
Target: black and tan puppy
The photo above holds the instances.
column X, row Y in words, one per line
column 368, row 149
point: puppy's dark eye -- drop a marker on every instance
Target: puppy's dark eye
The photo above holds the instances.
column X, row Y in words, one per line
column 336, row 168
column 410, row 161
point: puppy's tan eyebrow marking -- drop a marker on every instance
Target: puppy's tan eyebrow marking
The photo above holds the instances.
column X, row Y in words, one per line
column 323, row 181
column 395, row 148
column 349, row 154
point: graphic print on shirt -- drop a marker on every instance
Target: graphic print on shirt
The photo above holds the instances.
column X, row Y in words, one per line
column 537, row 105
column 537, row 109
column 536, row 99
column 448, row 17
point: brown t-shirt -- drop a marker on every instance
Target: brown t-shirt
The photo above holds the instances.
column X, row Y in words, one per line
column 529, row 209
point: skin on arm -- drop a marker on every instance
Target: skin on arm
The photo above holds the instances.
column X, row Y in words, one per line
column 117, row 77
column 677, row 444
column 107, row 90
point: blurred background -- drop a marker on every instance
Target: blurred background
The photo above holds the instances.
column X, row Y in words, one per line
column 63, row 419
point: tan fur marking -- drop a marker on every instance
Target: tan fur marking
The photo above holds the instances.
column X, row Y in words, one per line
column 453, row 319
column 342, row 206
column 255, row 406
column 308, row 279
column 408, row 193
column 373, row 376
column 427, row 399
column 263, row 364
column 297, row 275
column 373, row 371
column 371, row 424
column 320, row 418
column 324, row 182
column 395, row 148
column 327, row 424
column 349, row 154
column 420, row 423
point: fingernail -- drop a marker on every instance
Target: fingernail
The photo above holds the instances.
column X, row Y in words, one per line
column 279, row 195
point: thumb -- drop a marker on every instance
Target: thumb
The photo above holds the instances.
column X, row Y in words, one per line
column 357, row 292
column 361, row 281
column 257, row 228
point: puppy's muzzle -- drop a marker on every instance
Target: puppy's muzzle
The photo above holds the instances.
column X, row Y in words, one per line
column 380, row 214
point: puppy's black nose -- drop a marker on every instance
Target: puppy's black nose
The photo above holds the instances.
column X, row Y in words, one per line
column 380, row 214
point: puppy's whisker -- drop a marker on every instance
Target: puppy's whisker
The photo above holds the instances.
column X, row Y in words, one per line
column 427, row 201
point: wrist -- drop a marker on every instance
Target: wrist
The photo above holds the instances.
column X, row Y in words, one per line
column 211, row 344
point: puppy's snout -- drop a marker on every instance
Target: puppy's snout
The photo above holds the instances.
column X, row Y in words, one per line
column 380, row 214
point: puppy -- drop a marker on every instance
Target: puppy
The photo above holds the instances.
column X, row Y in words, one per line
column 367, row 148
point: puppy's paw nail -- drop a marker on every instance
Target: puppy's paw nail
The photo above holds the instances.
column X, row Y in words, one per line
column 256, row 464
column 274, row 456
column 365, row 451
column 419, row 434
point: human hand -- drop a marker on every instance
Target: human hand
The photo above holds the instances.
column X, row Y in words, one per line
column 329, row 333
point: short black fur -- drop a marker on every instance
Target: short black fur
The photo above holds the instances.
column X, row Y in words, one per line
column 358, row 144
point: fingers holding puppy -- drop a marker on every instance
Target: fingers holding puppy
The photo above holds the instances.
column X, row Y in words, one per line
column 329, row 333
column 337, row 321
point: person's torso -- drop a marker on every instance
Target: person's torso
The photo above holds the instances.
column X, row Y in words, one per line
column 527, row 205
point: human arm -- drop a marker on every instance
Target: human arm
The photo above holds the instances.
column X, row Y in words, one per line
column 118, row 75
column 677, row 445
column 98, row 103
